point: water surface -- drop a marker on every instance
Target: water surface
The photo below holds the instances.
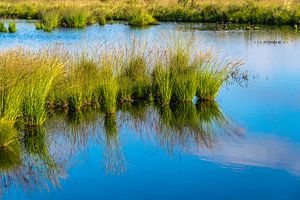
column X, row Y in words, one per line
column 244, row 146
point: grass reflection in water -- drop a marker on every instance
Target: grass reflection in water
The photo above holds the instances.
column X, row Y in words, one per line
column 44, row 154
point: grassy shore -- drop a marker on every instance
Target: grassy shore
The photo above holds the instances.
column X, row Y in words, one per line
column 75, row 13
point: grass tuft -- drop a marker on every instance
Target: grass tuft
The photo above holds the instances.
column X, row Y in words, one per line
column 3, row 29
column 12, row 27
column 50, row 19
column 75, row 17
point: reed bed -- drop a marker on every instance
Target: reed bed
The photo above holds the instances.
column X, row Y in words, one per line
column 144, row 12
column 33, row 83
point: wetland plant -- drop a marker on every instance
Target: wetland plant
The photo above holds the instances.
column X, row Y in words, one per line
column 75, row 17
column 32, row 82
column 43, row 68
column 50, row 19
column 12, row 27
column 3, row 29
column 183, row 73
column 102, row 20
column 163, row 85
column 108, row 87
column 141, row 18
column 212, row 74
column 133, row 79
column 12, row 82
column 82, row 83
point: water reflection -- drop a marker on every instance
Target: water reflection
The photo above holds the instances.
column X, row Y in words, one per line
column 46, row 153
column 114, row 158
column 185, row 126
column 31, row 166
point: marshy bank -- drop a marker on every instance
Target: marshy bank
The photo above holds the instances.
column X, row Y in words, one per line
column 140, row 13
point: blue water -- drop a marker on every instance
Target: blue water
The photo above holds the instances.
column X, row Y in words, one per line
column 138, row 155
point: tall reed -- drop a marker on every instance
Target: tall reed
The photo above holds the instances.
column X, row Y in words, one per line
column 108, row 87
column 213, row 74
column 13, row 77
column 82, row 82
column 182, row 72
column 134, row 79
column 163, row 84
column 43, row 68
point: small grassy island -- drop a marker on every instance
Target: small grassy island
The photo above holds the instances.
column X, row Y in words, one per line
column 32, row 83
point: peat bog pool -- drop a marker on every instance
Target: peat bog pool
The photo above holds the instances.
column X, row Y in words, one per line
column 244, row 146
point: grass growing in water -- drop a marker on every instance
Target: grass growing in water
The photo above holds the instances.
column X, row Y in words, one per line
column 82, row 83
column 163, row 85
column 183, row 75
column 31, row 81
column 75, row 17
column 213, row 74
column 109, row 87
column 141, row 18
column 133, row 79
column 12, row 27
column 43, row 68
column 3, row 29
column 50, row 19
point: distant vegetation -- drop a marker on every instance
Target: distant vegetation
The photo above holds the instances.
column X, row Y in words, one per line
column 77, row 13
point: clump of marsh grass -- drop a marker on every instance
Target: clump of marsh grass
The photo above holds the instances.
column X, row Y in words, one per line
column 213, row 74
column 75, row 17
column 50, row 19
column 108, row 87
column 102, row 20
column 82, row 83
column 163, row 85
column 174, row 75
column 3, row 29
column 12, row 27
column 182, row 71
column 133, row 79
column 140, row 17
column 43, row 68
column 12, row 81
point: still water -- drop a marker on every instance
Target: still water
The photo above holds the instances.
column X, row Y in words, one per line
column 244, row 146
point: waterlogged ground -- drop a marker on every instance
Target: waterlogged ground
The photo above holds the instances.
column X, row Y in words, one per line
column 245, row 146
